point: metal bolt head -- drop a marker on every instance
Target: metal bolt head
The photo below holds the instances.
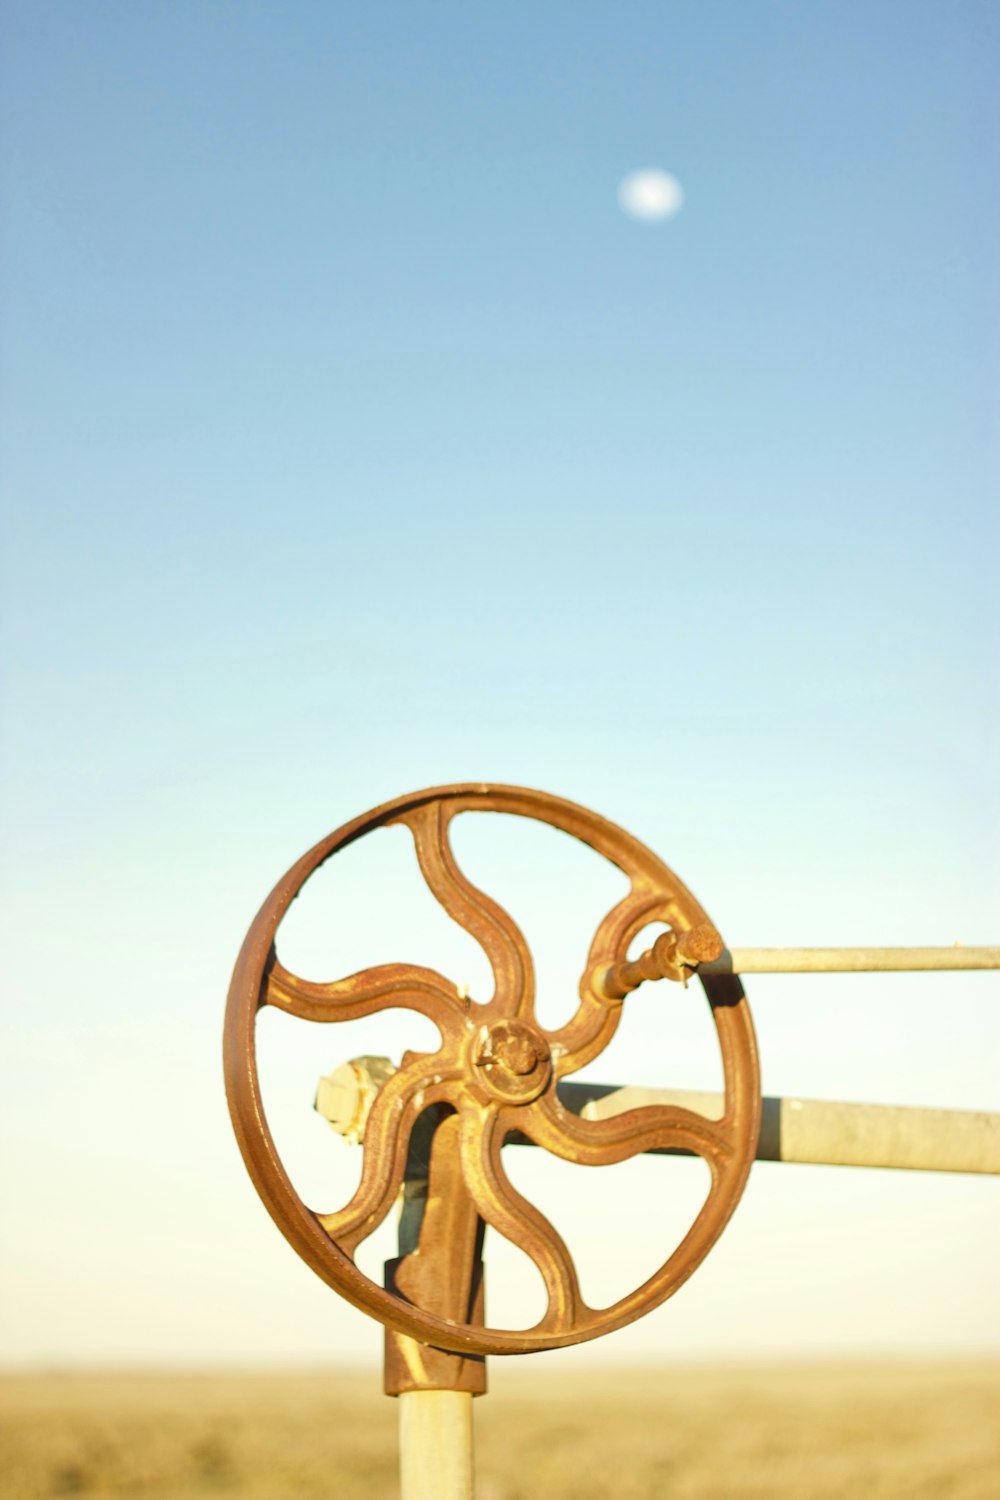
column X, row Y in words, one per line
column 514, row 1059
column 518, row 1054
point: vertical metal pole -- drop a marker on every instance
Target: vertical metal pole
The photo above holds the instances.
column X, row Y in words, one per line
column 435, row 1445
column 439, row 1269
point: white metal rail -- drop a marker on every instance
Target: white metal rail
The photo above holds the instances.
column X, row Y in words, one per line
column 850, row 960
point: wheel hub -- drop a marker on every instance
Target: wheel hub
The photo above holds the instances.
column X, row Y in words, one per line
column 513, row 1061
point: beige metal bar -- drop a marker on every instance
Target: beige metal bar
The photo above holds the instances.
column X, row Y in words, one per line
column 849, row 960
column 828, row 1132
column 435, row 1445
column 803, row 1130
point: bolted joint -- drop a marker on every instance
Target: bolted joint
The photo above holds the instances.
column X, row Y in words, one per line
column 513, row 1059
column 345, row 1097
column 674, row 955
column 518, row 1054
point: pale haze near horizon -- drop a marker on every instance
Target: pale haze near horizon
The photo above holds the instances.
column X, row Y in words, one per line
column 356, row 441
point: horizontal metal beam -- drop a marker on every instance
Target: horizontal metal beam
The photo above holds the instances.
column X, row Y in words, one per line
column 824, row 1132
column 827, row 1132
column 849, row 960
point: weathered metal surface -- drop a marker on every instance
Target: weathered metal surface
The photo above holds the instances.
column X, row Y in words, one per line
column 497, row 1070
column 674, row 955
column 440, row 1267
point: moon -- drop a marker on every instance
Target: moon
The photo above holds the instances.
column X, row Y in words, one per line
column 650, row 195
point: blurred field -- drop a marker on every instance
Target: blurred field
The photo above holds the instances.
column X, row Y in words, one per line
column 881, row 1432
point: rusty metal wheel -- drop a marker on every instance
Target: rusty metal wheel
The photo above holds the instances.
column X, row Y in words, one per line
column 496, row 1068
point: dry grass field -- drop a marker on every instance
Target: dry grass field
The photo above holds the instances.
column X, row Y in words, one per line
column 812, row 1432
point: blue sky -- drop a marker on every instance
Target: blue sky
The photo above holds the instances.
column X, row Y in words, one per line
column 354, row 440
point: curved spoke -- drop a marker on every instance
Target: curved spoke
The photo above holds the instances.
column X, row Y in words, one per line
column 518, row 1220
column 596, row 1019
column 363, row 994
column 497, row 933
column 600, row 1143
column 387, row 1136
